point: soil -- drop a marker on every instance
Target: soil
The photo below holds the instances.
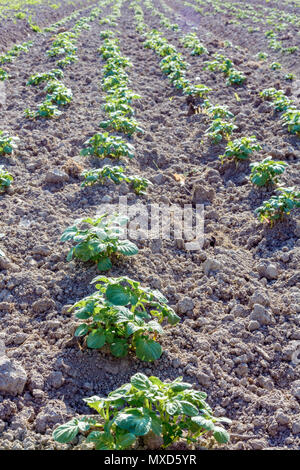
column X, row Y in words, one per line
column 249, row 374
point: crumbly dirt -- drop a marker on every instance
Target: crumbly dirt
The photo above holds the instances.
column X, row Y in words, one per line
column 248, row 374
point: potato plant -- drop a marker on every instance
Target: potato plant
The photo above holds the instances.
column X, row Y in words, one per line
column 100, row 241
column 191, row 41
column 5, row 179
column 3, row 75
column 37, row 78
column 266, row 172
column 125, row 316
column 8, row 143
column 171, row 410
column 104, row 145
column 240, row 149
column 117, row 175
column 274, row 209
column 68, row 60
column 120, row 123
column 46, row 110
column 225, row 65
column 291, row 119
column 58, row 93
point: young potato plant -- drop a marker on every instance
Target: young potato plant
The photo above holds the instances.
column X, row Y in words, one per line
column 220, row 129
column 68, row 60
column 225, row 65
column 277, row 207
column 240, row 149
column 46, row 110
column 275, row 66
column 120, row 123
column 196, row 90
column 37, row 78
column 125, row 316
column 169, row 410
column 107, row 34
column 104, row 145
column 291, row 119
column 115, row 104
column 5, row 179
column 8, row 143
column 99, row 242
column 58, row 93
column 63, row 44
column 235, row 77
column 266, row 172
column 117, row 175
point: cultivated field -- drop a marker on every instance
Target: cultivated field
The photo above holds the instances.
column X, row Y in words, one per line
column 162, row 103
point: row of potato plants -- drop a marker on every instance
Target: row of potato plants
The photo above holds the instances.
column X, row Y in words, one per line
column 64, row 48
column 124, row 316
column 266, row 172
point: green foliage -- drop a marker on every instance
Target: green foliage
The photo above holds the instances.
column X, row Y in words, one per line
column 291, row 119
column 120, row 123
column 225, row 65
column 262, row 55
column 217, row 111
column 220, row 129
column 266, row 172
column 235, row 77
column 275, row 66
column 117, row 175
column 277, row 207
column 104, row 145
column 172, row 410
column 125, row 316
column 100, row 241
column 46, row 110
column 37, row 78
column 191, row 41
column 289, row 76
column 5, row 179
column 15, row 52
column 240, row 149
column 8, row 143
column 3, row 75
column 64, row 43
column 58, row 93
column 69, row 59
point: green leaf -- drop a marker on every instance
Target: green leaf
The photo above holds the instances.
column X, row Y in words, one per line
column 96, row 339
column 66, row 432
column 127, row 248
column 148, row 349
column 104, row 264
column 81, row 330
column 117, row 295
column 221, row 435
